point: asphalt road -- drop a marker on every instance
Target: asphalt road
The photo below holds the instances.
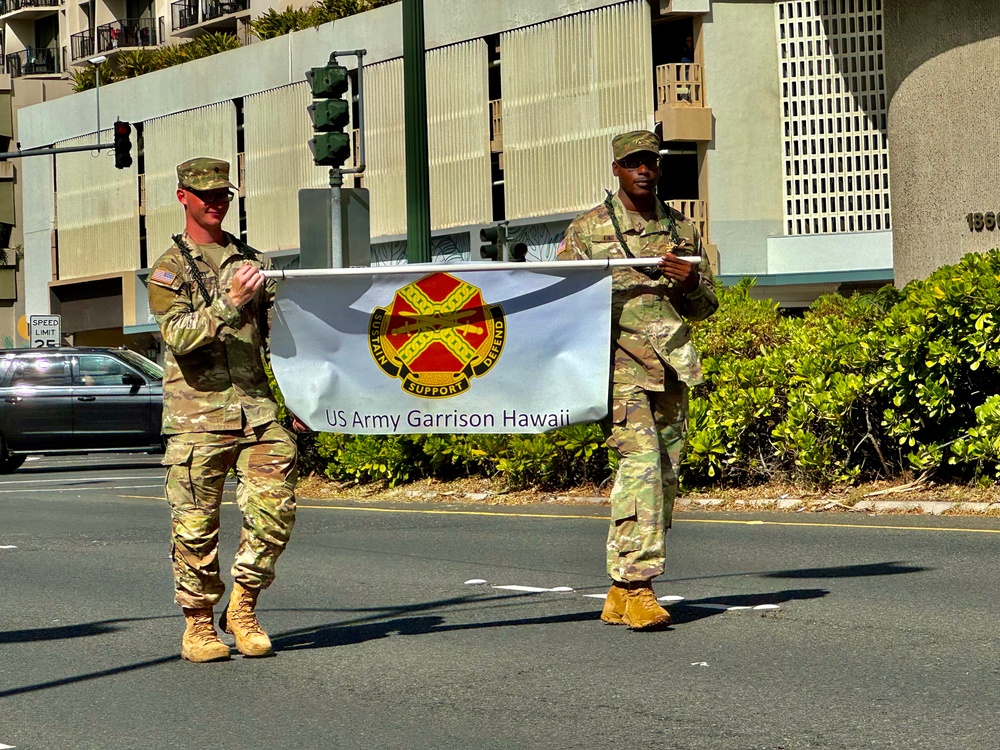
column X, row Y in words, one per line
column 884, row 633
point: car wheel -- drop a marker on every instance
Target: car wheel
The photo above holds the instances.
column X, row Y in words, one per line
column 11, row 464
column 8, row 463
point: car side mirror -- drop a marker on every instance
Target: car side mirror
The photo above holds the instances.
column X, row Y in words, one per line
column 130, row 378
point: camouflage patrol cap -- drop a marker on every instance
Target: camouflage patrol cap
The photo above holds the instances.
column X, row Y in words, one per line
column 204, row 173
column 624, row 144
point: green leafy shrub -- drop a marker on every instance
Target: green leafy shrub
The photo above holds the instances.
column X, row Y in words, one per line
column 273, row 22
column 137, row 62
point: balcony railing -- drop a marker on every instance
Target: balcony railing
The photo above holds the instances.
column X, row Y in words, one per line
column 184, row 13
column 32, row 61
column 680, row 85
column 82, row 45
column 131, row 32
column 496, row 126
column 217, row 8
column 9, row 6
column 696, row 211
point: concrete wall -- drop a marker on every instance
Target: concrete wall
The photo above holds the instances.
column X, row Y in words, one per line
column 744, row 159
column 825, row 253
column 942, row 68
column 280, row 61
column 258, row 67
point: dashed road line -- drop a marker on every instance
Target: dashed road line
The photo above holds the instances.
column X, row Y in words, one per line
column 669, row 599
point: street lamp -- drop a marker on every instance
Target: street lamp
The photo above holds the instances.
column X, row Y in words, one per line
column 96, row 62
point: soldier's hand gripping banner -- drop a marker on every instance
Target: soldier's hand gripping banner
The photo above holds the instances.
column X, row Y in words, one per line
column 370, row 351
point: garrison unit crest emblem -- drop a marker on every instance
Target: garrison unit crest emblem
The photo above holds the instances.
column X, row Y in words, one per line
column 437, row 335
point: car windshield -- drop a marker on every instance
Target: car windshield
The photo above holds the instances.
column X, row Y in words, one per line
column 148, row 367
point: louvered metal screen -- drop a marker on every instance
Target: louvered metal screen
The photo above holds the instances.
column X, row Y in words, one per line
column 206, row 131
column 97, row 212
column 279, row 163
column 569, row 86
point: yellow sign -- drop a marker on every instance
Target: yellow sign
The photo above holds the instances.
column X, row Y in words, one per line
column 22, row 327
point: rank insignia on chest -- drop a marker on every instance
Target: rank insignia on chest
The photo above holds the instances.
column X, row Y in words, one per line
column 163, row 276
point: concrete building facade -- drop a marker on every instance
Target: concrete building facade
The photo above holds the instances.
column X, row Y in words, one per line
column 762, row 146
column 943, row 130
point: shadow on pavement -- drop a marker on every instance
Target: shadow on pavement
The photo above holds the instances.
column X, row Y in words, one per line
column 838, row 571
column 89, row 462
column 367, row 625
column 55, row 634
column 849, row 571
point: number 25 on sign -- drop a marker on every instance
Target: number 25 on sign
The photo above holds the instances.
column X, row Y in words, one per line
column 980, row 221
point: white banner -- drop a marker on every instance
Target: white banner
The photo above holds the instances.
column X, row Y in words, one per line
column 444, row 351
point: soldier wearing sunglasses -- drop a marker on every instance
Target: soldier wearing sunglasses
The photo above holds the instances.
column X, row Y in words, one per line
column 654, row 365
column 212, row 303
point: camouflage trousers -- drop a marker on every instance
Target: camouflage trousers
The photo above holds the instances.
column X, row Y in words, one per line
column 647, row 432
column 264, row 460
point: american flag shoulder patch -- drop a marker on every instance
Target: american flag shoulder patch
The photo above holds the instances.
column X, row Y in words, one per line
column 163, row 276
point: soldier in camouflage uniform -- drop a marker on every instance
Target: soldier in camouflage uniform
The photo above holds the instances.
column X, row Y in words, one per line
column 654, row 364
column 212, row 304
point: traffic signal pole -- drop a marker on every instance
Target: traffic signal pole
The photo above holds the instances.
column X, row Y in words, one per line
column 61, row 150
column 418, row 203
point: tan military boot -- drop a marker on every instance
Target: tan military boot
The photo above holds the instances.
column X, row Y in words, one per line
column 200, row 642
column 642, row 611
column 614, row 604
column 240, row 619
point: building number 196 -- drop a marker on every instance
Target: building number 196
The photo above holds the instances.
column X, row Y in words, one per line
column 979, row 221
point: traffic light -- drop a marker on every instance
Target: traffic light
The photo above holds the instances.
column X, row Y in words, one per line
column 517, row 252
column 493, row 239
column 123, row 145
column 330, row 113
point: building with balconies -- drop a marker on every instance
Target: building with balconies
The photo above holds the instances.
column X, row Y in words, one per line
column 770, row 143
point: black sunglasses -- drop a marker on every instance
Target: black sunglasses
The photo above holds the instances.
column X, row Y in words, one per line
column 213, row 196
column 643, row 158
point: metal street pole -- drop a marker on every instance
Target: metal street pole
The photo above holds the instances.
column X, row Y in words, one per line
column 418, row 203
column 97, row 62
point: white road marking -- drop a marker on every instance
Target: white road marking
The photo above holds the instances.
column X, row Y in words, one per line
column 8, row 546
column 6, row 747
column 65, row 481
column 669, row 598
column 86, row 489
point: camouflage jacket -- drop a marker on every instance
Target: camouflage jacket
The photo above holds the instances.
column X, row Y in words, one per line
column 214, row 362
column 652, row 343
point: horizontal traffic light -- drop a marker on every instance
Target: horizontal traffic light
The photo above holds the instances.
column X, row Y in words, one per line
column 329, row 114
column 330, row 149
column 494, row 239
column 328, row 82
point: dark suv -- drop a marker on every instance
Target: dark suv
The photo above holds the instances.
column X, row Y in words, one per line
column 77, row 400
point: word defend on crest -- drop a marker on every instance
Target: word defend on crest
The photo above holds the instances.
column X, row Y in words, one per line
column 436, row 336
